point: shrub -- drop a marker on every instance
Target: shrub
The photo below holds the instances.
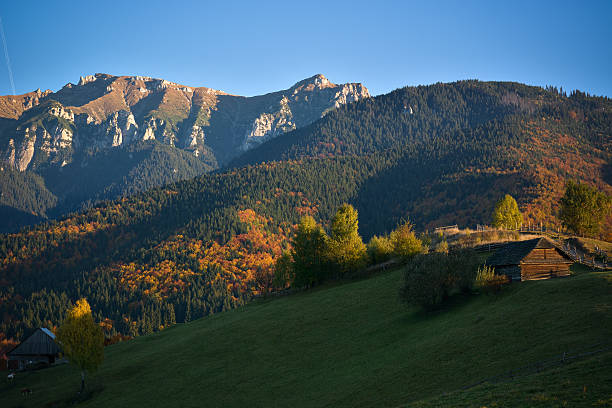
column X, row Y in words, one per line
column 442, row 247
column 431, row 278
column 380, row 249
column 405, row 242
column 487, row 281
column 426, row 281
column 464, row 265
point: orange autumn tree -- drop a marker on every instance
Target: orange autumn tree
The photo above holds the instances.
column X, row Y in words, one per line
column 81, row 339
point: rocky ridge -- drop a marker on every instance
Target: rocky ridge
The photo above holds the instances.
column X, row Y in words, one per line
column 108, row 136
column 101, row 111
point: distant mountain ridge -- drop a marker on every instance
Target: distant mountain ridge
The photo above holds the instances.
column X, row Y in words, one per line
column 107, row 111
column 65, row 132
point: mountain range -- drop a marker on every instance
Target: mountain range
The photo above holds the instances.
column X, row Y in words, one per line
column 110, row 136
column 435, row 155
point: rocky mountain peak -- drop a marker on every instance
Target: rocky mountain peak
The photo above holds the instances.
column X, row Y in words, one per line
column 318, row 81
column 105, row 111
column 92, row 78
column 86, row 79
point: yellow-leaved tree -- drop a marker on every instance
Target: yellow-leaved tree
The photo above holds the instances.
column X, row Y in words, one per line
column 346, row 249
column 507, row 214
column 81, row 339
column 405, row 243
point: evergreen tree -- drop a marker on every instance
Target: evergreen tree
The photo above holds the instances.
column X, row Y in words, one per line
column 309, row 253
column 283, row 270
column 188, row 310
column 169, row 315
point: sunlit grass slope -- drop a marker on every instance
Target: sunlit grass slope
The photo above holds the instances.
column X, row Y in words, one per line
column 349, row 345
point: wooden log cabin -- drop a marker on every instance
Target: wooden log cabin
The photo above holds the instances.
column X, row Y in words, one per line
column 533, row 259
column 39, row 348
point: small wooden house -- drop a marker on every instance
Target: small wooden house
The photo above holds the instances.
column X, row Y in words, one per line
column 533, row 259
column 40, row 347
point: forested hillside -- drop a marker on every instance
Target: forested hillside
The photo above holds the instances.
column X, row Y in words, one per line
column 438, row 154
column 457, row 147
column 110, row 136
column 93, row 177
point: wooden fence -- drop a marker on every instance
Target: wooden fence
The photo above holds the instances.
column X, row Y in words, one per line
column 580, row 257
column 572, row 251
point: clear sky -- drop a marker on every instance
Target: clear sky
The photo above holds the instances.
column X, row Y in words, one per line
column 255, row 47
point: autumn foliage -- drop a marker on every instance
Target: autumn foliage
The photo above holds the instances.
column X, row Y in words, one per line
column 81, row 339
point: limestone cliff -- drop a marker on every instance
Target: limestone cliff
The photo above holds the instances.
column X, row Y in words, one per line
column 103, row 111
column 300, row 105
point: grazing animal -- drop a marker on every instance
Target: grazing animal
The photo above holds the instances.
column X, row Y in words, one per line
column 11, row 376
column 26, row 391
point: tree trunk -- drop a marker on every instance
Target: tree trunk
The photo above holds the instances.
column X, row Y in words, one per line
column 82, row 381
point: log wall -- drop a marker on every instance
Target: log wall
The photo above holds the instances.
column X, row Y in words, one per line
column 544, row 254
column 537, row 271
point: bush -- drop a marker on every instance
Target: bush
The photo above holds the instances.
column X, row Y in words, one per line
column 442, row 247
column 487, row 281
column 431, row 278
column 464, row 265
column 426, row 281
column 380, row 249
column 405, row 242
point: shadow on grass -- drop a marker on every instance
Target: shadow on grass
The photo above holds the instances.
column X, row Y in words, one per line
column 87, row 394
column 77, row 398
column 455, row 303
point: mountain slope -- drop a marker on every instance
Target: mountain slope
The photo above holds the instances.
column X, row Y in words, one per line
column 57, row 135
column 353, row 345
column 105, row 111
column 208, row 244
column 461, row 146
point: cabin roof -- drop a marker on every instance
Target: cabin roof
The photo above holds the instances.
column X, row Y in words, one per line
column 513, row 252
column 48, row 332
column 41, row 342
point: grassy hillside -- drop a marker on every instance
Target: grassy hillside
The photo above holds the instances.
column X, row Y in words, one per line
column 355, row 345
column 583, row 384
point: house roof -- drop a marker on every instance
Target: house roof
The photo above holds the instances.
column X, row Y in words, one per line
column 513, row 252
column 48, row 332
column 41, row 342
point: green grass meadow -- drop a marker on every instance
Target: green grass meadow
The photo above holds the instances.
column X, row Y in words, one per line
column 356, row 345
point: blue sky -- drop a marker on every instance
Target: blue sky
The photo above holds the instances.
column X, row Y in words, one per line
column 254, row 47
